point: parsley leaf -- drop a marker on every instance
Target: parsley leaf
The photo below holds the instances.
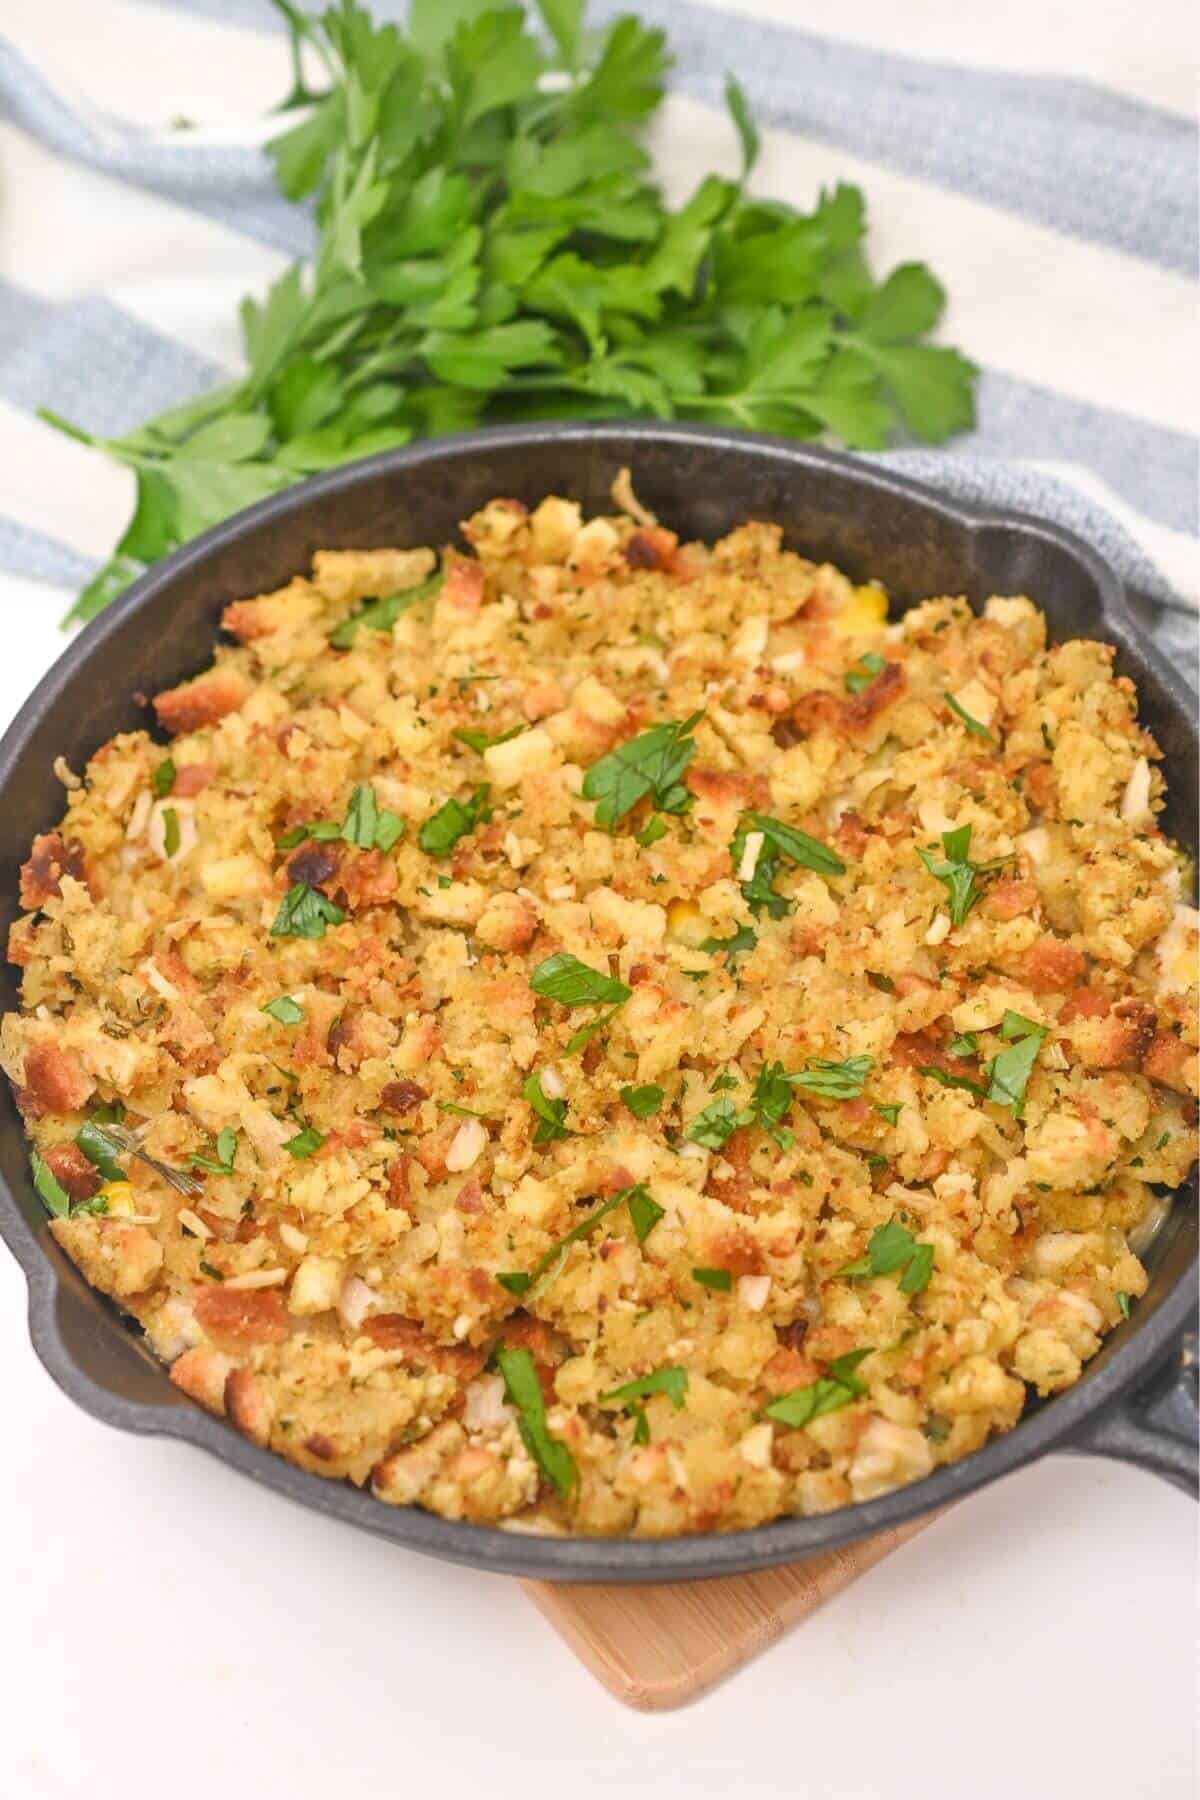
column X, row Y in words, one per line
column 644, row 1100
column 740, row 941
column 834, row 1080
column 57, row 1200
column 286, row 1010
column 644, row 1214
column 305, row 1143
column 890, row 1112
column 715, row 1125
column 671, row 1381
column 481, row 741
column 869, row 665
column 453, row 820
column 1009, row 1071
column 825, row 1395
column 226, row 1148
column 304, row 912
column 491, row 243
column 1123, row 1303
column 956, row 872
column 973, row 725
column 551, row 1113
column 564, row 978
column 892, row 1247
column 719, row 1280
column 945, row 1078
column 652, row 764
column 162, row 778
column 101, row 1150
column 381, row 615
column 523, row 1390
column 171, row 838
column 780, row 843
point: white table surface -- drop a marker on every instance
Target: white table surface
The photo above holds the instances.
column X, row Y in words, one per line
column 169, row 1628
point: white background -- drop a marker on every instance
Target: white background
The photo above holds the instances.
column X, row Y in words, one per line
column 167, row 1628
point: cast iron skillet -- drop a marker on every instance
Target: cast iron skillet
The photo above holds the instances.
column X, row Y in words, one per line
column 1137, row 1400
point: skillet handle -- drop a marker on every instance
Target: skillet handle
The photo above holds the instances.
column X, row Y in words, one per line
column 1156, row 1427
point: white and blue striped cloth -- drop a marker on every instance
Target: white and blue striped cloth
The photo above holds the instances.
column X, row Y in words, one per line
column 1045, row 166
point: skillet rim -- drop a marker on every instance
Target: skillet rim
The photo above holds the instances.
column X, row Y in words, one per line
column 1062, row 1424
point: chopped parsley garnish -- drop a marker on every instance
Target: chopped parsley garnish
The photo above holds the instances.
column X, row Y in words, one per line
column 57, row 1200
column 305, row 1143
column 670, row 1381
column 967, row 1044
column 206, row 1268
column 1123, row 1303
column 891, row 1111
column 304, row 913
column 834, row 1080
column 869, row 665
column 742, row 940
column 715, row 1124
column 1010, row 1070
column 564, row 978
column 945, row 1078
column 381, row 615
column 644, row 1215
column 523, row 1390
column 651, row 765
column 551, row 1113
column 367, row 824
column 957, row 872
column 655, row 828
column 226, row 1148
column 171, row 838
column 453, row 820
column 286, row 1010
column 479, row 741
column 893, row 1247
column 162, row 778
column 719, row 1280
column 463, row 1112
column 644, row 1100
column 101, row 1150
column 825, row 1395
column 781, row 843
column 972, row 724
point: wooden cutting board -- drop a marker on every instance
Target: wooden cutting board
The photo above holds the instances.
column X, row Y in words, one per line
column 657, row 1646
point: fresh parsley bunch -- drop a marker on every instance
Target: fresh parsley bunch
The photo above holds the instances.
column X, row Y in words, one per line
column 492, row 245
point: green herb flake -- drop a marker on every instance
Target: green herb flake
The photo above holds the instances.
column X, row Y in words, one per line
column 643, row 1101
column 550, row 1113
column 644, row 1213
column 1009, row 1071
column 284, row 1009
column 564, row 978
column 453, row 820
column 956, row 872
column 973, row 725
column 869, row 665
column 651, row 765
column 304, row 913
column 651, row 832
column 719, row 1280
column 1123, row 1303
column 890, row 1111
column 946, row 1078
column 56, row 1198
column 171, row 837
column 673, row 1382
column 305, row 1143
column 741, row 941
column 226, row 1151
column 834, row 1080
column 381, row 615
column 715, row 1124
column 479, row 741
column 101, row 1150
column 781, row 843
column 523, row 1390
column 827, row 1394
column 162, row 778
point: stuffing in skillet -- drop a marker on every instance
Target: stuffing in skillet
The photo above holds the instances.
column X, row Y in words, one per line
column 645, row 1044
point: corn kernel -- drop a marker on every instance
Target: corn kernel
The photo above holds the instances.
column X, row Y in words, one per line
column 118, row 1197
column 866, row 608
column 686, row 923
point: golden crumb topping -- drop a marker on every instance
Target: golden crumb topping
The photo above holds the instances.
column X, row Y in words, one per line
column 614, row 1034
